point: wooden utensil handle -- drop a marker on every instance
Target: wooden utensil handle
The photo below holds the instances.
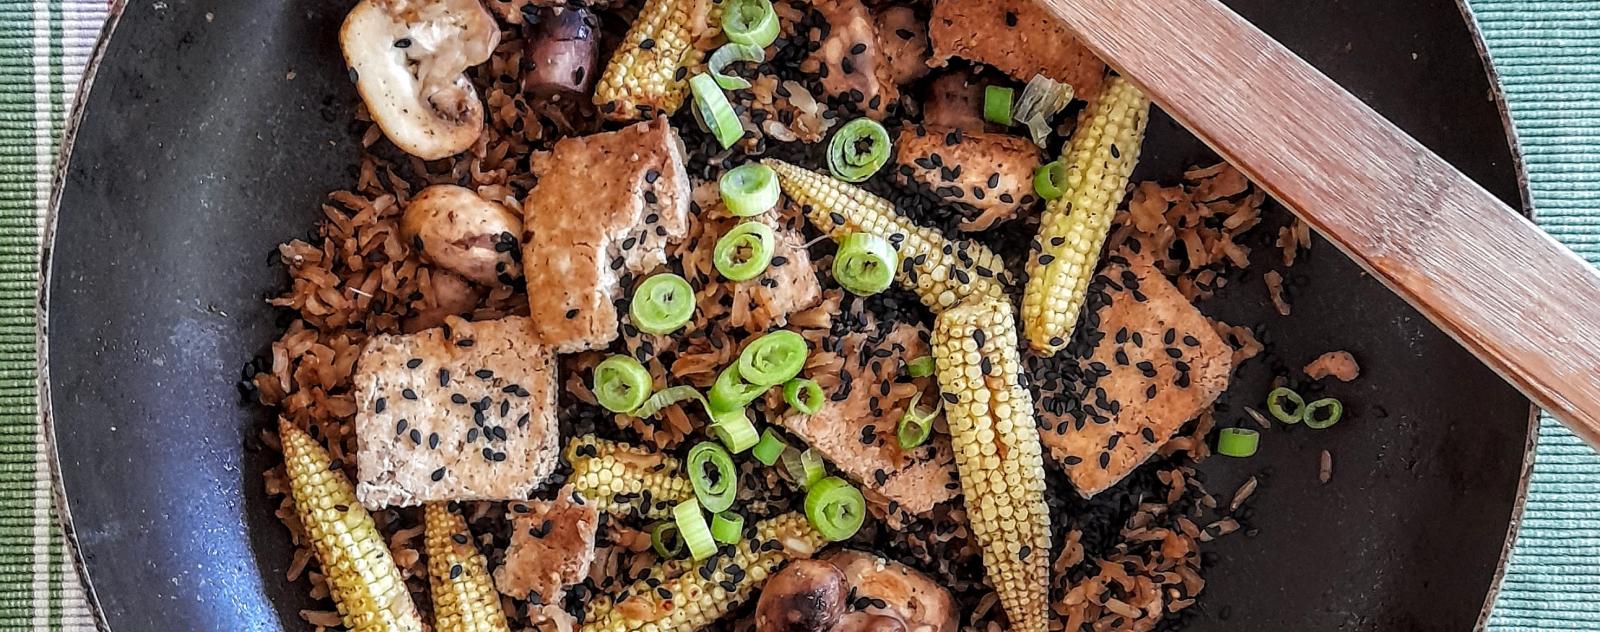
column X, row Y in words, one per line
column 1525, row 304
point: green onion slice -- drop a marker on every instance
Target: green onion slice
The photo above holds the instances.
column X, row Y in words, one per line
column 1285, row 404
column 665, row 540
column 1238, row 442
column 621, row 384
column 1041, row 99
column 793, row 463
column 749, row 190
column 803, row 395
column 865, row 264
column 713, row 476
column 858, row 150
column 774, row 358
column 727, row 527
column 750, row 22
column 731, row 392
column 1050, row 180
column 715, row 111
column 997, row 105
column 729, row 53
column 1323, row 413
column 692, row 528
column 666, row 397
column 744, row 252
column 916, row 424
column 812, row 465
column 770, row 448
column 734, row 429
column 662, row 304
column 835, row 508
column 920, row 367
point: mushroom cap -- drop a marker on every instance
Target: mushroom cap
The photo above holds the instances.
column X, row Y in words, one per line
column 464, row 233
column 866, row 622
column 407, row 58
column 913, row 598
column 806, row 596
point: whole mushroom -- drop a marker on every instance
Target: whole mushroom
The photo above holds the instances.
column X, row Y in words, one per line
column 460, row 231
column 561, row 53
column 865, row 622
column 897, row 592
column 806, row 596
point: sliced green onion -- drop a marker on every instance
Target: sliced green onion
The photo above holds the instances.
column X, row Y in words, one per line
column 750, row 22
column 1323, row 413
column 715, row 111
column 729, row 53
column 1281, row 397
column 734, row 429
column 749, row 190
column 713, row 476
column 693, row 530
column 1050, row 180
column 803, row 395
column 1238, row 442
column 665, row 540
column 793, row 464
column 662, row 304
column 858, row 150
column 727, row 527
column 865, row 264
column 997, row 105
column 731, row 392
column 835, row 508
column 744, row 252
column 920, row 367
column 666, row 397
column 813, row 466
column 774, row 358
column 916, row 424
column 769, row 449
column 621, row 384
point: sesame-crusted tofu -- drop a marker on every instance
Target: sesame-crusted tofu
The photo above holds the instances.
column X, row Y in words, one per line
column 1016, row 36
column 855, row 62
column 904, row 38
column 992, row 173
column 465, row 411
column 605, row 205
column 856, row 432
column 1158, row 364
column 552, row 546
column 788, row 285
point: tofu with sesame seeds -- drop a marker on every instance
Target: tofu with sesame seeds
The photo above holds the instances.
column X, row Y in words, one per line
column 993, row 173
column 1155, row 364
column 856, row 64
column 1016, row 36
column 552, row 546
column 605, row 206
column 465, row 411
column 788, row 285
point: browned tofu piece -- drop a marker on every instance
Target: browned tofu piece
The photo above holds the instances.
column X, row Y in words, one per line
column 955, row 99
column 552, row 545
column 855, row 62
column 788, row 285
column 858, row 437
column 1016, row 36
column 466, row 411
column 992, row 173
column 605, row 205
column 904, row 38
column 1160, row 364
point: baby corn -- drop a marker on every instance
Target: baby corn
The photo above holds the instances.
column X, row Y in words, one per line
column 997, row 453
column 1072, row 231
column 464, row 598
column 941, row 272
column 624, row 479
column 648, row 73
column 362, row 576
column 684, row 596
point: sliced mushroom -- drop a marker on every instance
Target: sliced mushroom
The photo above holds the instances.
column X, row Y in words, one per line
column 955, row 99
column 407, row 58
column 904, row 38
column 447, row 295
column 806, row 596
column 897, row 591
column 464, row 233
column 864, row 622
column 561, row 53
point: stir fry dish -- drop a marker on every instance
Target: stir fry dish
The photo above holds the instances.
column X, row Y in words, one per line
column 784, row 315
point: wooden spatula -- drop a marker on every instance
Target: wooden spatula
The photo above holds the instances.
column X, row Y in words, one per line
column 1525, row 304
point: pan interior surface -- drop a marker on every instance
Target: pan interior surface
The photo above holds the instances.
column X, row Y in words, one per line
column 215, row 130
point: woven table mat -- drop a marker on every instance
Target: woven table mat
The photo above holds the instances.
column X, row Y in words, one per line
column 1546, row 51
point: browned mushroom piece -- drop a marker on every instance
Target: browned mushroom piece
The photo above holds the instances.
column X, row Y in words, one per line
column 856, row 68
column 896, row 591
column 806, row 596
column 904, row 38
column 447, row 295
column 561, row 53
column 955, row 99
column 864, row 622
column 464, row 233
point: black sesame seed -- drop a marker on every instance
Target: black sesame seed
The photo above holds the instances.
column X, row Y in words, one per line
column 444, row 378
column 408, row 394
column 647, row 44
column 383, row 402
column 858, row 49
column 433, row 441
column 1011, row 18
column 438, row 475
column 458, row 398
column 414, row 363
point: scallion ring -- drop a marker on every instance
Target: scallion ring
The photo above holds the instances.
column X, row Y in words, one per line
column 920, row 367
column 665, row 540
column 727, row 527
column 803, row 395
column 744, row 252
column 621, row 384
column 693, row 530
column 1323, row 413
column 749, row 190
column 1050, row 180
column 731, row 392
column 812, row 466
column 728, row 54
column 715, row 111
column 865, row 264
column 662, row 304
column 750, row 22
column 774, row 358
column 997, row 105
column 666, row 397
column 769, row 449
column 1237, row 442
column 858, row 150
column 734, row 429
column 793, row 465
column 712, row 475
column 835, row 508
column 1285, row 404
column 916, row 424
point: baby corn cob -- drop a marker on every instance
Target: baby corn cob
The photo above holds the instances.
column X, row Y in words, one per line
column 623, row 479
column 997, row 453
column 362, row 576
column 464, row 599
column 1099, row 160
column 940, row 271
column 684, row 596
column 648, row 73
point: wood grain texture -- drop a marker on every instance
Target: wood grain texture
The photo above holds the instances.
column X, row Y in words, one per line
column 1523, row 303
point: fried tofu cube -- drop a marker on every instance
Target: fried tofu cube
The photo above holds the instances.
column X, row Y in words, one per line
column 466, row 411
column 552, row 546
column 992, row 173
column 1016, row 36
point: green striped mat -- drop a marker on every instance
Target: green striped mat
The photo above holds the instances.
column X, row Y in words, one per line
column 1547, row 52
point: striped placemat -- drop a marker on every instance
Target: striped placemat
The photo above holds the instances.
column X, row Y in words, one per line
column 1547, row 53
